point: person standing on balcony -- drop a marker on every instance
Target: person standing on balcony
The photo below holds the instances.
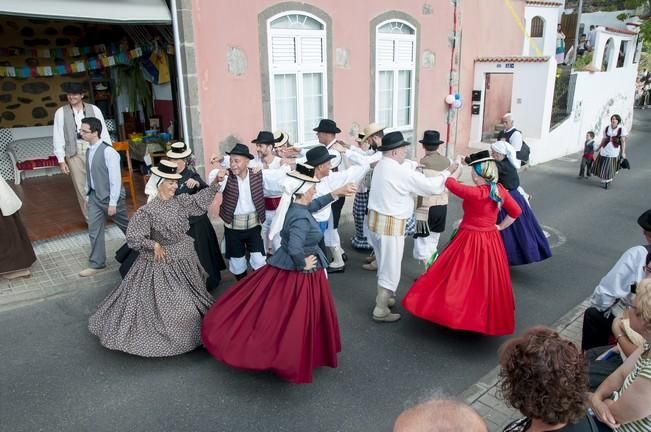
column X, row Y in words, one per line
column 560, row 45
column 69, row 145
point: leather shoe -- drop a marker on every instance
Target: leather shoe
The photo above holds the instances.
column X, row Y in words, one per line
column 336, row 269
column 372, row 266
column 369, row 259
column 17, row 274
column 90, row 271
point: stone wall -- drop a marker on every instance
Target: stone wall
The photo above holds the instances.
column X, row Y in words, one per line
column 33, row 101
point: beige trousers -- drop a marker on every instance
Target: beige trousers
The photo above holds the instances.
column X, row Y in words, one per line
column 77, row 166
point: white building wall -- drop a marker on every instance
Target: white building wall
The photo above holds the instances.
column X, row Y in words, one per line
column 597, row 97
column 551, row 18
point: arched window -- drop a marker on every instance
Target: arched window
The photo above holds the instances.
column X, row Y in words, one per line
column 537, row 27
column 608, row 54
column 297, row 73
column 395, row 74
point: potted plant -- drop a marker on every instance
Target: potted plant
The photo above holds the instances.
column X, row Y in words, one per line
column 131, row 80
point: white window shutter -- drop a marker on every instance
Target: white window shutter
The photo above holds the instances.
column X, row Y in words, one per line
column 404, row 51
column 283, row 50
column 384, row 51
column 311, row 50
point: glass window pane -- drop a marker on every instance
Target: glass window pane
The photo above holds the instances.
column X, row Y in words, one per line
column 404, row 97
column 284, row 101
column 385, row 98
column 312, row 103
column 297, row 22
column 396, row 28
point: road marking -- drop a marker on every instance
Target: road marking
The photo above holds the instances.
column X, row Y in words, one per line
column 554, row 236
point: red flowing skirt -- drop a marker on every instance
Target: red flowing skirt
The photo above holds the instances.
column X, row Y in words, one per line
column 277, row 320
column 468, row 287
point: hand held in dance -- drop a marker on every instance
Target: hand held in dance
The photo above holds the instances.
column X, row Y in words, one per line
column 601, row 410
column 191, row 183
column 215, row 159
column 112, row 210
column 159, row 253
column 346, row 190
column 64, row 168
column 221, row 175
column 310, row 262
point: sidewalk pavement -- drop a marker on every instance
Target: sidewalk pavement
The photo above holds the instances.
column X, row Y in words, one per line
column 59, row 260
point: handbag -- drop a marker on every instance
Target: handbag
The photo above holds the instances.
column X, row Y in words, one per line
column 625, row 164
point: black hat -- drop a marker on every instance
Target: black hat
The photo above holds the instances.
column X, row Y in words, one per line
column 392, row 141
column 431, row 138
column 481, row 156
column 241, row 150
column 73, row 87
column 645, row 220
column 265, row 137
column 327, row 126
column 318, row 155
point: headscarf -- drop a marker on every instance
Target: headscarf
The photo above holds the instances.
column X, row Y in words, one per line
column 291, row 187
column 488, row 171
column 504, row 148
column 9, row 201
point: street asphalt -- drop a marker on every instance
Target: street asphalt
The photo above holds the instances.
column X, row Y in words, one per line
column 54, row 375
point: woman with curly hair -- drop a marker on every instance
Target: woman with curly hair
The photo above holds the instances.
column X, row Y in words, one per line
column 544, row 377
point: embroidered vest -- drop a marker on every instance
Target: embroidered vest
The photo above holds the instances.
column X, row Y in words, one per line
column 70, row 127
column 433, row 164
column 232, row 193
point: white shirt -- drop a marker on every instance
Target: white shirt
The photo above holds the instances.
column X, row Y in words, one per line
column 244, row 200
column 112, row 160
column 516, row 139
column 609, row 150
column 617, row 282
column 334, row 181
column 272, row 178
column 395, row 186
column 58, row 136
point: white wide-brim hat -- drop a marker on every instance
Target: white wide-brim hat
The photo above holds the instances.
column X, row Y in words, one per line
column 371, row 129
column 167, row 170
column 281, row 138
column 178, row 150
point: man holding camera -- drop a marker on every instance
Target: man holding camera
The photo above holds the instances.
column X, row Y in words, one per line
column 69, row 146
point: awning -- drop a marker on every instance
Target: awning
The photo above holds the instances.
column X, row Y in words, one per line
column 107, row 11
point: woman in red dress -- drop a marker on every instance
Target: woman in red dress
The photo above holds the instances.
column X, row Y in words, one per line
column 469, row 286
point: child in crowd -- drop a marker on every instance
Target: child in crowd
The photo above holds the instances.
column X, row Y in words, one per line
column 588, row 155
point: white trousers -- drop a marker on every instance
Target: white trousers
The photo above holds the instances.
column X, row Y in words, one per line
column 274, row 244
column 238, row 265
column 424, row 247
column 331, row 235
column 388, row 256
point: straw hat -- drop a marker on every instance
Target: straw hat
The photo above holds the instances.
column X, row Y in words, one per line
column 281, row 138
column 304, row 172
column 178, row 150
column 167, row 170
column 371, row 129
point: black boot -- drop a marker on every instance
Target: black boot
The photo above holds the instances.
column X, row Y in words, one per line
column 240, row 276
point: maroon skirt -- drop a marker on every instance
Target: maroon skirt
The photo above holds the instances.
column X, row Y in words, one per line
column 277, row 320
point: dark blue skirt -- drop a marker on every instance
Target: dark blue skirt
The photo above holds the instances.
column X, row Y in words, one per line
column 524, row 240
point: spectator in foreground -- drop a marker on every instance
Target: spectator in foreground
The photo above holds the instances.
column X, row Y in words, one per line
column 544, row 377
column 440, row 415
column 621, row 402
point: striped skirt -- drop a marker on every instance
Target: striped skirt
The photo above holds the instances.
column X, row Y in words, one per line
column 605, row 168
